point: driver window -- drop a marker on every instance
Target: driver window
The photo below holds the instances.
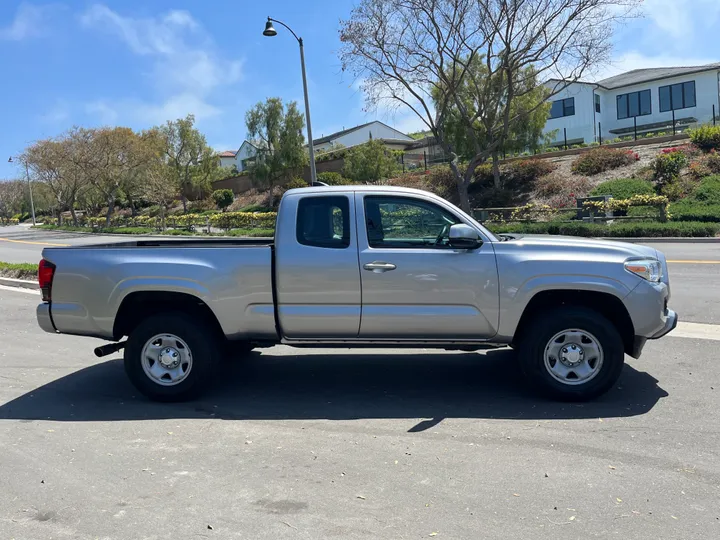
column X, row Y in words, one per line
column 400, row 222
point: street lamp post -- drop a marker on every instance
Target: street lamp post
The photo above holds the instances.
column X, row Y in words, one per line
column 270, row 32
column 27, row 175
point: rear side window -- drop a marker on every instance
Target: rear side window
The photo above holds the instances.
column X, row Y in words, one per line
column 324, row 222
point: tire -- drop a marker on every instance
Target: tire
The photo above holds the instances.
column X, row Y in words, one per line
column 160, row 342
column 586, row 368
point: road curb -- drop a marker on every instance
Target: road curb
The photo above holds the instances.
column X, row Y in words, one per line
column 664, row 240
column 20, row 283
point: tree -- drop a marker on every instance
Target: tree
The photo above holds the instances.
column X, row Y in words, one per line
column 528, row 115
column 418, row 54
column 223, row 198
column 369, row 162
column 193, row 163
column 277, row 133
column 61, row 165
column 11, row 198
column 115, row 158
column 160, row 184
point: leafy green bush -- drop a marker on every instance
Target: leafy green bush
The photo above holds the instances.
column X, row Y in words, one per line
column 256, row 208
column 617, row 230
column 602, row 159
column 706, row 137
column 296, row 183
column 223, row 198
column 370, row 162
column 333, row 178
column 667, row 165
column 687, row 210
column 708, row 192
column 623, row 188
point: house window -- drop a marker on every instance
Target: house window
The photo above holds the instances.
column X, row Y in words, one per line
column 597, row 103
column 634, row 104
column 562, row 107
column 677, row 96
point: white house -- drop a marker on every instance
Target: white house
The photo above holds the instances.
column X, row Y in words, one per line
column 361, row 134
column 648, row 100
column 239, row 159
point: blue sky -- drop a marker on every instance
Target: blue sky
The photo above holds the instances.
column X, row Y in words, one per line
column 139, row 63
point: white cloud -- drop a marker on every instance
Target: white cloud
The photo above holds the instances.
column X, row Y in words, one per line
column 186, row 69
column 29, row 22
column 58, row 114
column 682, row 19
column 107, row 114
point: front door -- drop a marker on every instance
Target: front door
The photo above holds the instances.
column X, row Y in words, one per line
column 414, row 284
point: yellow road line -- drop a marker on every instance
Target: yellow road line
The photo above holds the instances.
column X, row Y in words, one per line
column 695, row 262
column 34, row 243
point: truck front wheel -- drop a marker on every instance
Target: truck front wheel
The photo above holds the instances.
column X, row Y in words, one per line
column 571, row 354
column 169, row 357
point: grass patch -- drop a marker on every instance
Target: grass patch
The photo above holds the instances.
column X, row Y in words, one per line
column 636, row 229
column 18, row 271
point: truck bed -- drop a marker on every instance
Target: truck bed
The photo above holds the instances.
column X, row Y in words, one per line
column 182, row 243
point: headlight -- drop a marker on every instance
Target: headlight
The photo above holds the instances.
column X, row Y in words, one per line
column 649, row 269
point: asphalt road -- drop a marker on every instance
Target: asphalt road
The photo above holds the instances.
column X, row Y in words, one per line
column 694, row 269
column 353, row 445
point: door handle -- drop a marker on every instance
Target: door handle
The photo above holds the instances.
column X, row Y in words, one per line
column 378, row 267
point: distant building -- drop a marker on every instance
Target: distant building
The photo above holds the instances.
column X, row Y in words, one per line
column 239, row 159
column 362, row 134
column 649, row 97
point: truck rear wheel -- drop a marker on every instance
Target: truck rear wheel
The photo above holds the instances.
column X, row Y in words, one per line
column 169, row 357
column 571, row 354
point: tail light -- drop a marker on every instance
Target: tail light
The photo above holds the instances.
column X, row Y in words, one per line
column 46, row 272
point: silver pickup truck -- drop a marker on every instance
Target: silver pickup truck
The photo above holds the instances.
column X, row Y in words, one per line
column 355, row 267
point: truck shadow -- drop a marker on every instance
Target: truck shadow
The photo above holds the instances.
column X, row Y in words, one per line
column 335, row 386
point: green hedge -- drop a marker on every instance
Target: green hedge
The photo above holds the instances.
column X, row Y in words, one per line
column 636, row 229
column 623, row 188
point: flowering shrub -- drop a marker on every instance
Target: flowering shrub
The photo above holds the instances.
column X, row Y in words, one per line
column 602, row 159
column 658, row 201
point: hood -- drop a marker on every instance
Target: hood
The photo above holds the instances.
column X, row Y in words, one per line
column 592, row 245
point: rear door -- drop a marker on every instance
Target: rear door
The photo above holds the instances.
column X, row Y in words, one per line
column 414, row 284
column 316, row 267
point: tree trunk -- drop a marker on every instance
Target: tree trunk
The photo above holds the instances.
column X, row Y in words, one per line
column 162, row 217
column 497, row 181
column 111, row 208
column 462, row 186
column 132, row 206
column 271, row 199
column 74, row 216
column 184, row 201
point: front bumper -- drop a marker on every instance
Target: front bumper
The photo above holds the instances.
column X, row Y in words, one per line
column 671, row 320
column 44, row 318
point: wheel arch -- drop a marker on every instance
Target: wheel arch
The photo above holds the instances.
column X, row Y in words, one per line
column 140, row 305
column 607, row 304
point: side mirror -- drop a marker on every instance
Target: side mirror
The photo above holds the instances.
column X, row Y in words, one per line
column 464, row 237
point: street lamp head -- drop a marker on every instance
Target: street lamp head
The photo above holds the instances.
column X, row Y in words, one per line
column 269, row 30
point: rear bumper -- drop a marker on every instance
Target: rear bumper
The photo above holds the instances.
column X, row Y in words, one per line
column 44, row 319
